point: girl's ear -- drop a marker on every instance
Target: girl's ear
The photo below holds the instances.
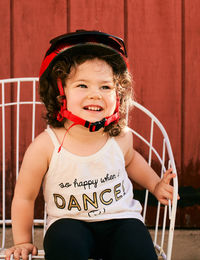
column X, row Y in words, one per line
column 60, row 98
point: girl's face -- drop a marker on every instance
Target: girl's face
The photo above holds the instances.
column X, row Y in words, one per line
column 90, row 90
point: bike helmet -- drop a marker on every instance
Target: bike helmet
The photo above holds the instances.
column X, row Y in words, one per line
column 83, row 42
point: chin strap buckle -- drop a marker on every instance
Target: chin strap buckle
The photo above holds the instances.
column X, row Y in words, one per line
column 96, row 125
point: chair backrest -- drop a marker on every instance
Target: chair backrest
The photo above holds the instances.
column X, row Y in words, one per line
column 159, row 156
column 20, row 115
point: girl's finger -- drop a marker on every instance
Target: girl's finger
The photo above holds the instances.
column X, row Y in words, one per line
column 168, row 176
column 169, row 188
column 24, row 254
column 167, row 195
column 164, row 202
column 8, row 253
column 34, row 251
column 17, row 253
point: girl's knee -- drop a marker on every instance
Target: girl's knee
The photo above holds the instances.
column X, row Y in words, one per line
column 67, row 239
column 132, row 241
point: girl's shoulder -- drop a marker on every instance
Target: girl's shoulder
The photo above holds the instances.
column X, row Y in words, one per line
column 44, row 138
column 41, row 140
column 125, row 135
column 42, row 145
column 36, row 161
column 125, row 140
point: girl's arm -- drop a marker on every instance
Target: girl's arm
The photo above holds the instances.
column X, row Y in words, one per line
column 139, row 171
column 34, row 166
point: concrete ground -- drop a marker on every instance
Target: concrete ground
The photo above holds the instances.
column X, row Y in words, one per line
column 186, row 244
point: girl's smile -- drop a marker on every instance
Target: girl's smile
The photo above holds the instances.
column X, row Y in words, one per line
column 90, row 90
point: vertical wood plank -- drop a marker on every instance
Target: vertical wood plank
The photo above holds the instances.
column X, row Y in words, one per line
column 191, row 115
column 35, row 23
column 5, row 70
column 106, row 16
column 154, row 47
column 192, row 94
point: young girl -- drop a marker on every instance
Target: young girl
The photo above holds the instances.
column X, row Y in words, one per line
column 85, row 159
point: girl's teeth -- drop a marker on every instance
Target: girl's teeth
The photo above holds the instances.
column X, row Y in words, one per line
column 94, row 108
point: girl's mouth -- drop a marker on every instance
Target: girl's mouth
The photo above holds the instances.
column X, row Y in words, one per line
column 93, row 108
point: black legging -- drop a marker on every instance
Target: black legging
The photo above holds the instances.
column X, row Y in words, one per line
column 123, row 239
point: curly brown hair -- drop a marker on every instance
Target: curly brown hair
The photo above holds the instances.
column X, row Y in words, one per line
column 50, row 96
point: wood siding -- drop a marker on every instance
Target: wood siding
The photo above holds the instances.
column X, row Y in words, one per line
column 163, row 41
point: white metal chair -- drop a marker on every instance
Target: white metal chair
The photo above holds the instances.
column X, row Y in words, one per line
column 20, row 108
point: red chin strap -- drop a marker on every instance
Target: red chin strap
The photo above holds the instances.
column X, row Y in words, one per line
column 64, row 113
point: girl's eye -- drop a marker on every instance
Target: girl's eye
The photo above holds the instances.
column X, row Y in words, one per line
column 106, row 87
column 82, row 86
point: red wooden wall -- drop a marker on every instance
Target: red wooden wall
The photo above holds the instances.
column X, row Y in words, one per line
column 163, row 39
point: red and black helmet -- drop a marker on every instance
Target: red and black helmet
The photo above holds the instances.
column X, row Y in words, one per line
column 84, row 42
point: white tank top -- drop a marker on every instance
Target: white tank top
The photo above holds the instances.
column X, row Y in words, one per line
column 89, row 188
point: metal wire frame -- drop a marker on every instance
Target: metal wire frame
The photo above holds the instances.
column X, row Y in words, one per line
column 33, row 102
column 166, row 149
column 171, row 164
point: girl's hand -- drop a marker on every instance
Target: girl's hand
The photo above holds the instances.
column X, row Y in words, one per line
column 21, row 250
column 163, row 190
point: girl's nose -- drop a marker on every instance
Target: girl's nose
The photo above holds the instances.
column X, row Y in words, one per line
column 94, row 95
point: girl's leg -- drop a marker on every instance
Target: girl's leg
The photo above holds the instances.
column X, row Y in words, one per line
column 68, row 239
column 131, row 241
